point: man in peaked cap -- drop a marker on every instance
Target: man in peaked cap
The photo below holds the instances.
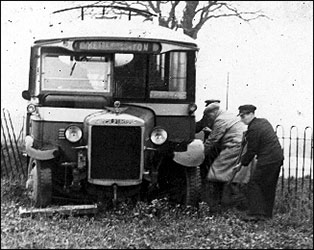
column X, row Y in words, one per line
column 246, row 109
column 211, row 101
column 263, row 143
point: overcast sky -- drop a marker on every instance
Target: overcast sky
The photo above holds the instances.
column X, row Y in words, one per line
column 270, row 62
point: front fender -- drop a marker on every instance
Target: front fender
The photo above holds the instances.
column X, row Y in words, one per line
column 38, row 154
column 194, row 156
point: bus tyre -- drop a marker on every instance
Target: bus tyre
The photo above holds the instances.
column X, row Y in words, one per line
column 40, row 182
column 193, row 186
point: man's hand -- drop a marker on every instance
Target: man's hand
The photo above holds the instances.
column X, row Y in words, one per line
column 207, row 129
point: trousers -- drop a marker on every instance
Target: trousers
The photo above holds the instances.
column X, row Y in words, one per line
column 262, row 189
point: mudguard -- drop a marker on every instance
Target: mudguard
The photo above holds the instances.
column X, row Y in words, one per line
column 194, row 156
column 38, row 154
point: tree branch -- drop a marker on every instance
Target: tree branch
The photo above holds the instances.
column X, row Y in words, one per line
column 240, row 14
column 144, row 5
column 195, row 13
column 205, row 15
column 204, row 18
column 172, row 16
column 155, row 8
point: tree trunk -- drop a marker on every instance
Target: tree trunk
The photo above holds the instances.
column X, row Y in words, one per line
column 188, row 16
column 192, row 33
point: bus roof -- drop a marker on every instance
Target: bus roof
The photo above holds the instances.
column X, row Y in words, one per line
column 99, row 28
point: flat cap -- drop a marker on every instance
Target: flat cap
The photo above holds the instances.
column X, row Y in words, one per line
column 211, row 107
column 211, row 101
column 245, row 109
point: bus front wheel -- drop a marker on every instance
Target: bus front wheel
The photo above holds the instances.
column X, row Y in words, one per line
column 193, row 186
column 39, row 182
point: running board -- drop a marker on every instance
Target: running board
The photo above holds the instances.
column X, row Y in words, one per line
column 66, row 210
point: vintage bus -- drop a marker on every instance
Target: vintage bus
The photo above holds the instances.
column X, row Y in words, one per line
column 111, row 114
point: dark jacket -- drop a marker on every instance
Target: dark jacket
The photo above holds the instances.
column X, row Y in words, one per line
column 263, row 142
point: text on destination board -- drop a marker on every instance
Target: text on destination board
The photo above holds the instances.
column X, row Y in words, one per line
column 117, row 46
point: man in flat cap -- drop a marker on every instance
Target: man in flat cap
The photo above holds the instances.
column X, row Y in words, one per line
column 226, row 135
column 205, row 124
column 263, row 143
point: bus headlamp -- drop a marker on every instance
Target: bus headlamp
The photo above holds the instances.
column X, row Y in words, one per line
column 158, row 136
column 31, row 108
column 73, row 133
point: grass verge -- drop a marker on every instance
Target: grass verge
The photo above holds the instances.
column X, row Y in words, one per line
column 158, row 224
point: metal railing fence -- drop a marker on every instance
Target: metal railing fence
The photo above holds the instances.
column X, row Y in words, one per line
column 296, row 173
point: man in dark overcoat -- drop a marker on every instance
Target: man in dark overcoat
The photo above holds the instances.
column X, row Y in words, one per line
column 263, row 143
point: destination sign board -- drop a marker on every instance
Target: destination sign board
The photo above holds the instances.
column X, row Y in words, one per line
column 117, row 46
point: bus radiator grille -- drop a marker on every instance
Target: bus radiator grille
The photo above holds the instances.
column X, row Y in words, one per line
column 115, row 152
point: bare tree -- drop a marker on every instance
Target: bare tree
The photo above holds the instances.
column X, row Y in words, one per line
column 188, row 15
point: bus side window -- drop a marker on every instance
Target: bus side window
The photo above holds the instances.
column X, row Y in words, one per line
column 157, row 72
column 177, row 76
column 168, row 75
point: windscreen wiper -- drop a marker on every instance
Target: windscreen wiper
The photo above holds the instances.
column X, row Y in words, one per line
column 72, row 69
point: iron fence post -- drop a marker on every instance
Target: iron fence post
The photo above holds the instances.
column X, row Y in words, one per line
column 304, row 156
column 283, row 147
column 311, row 164
column 297, row 161
column 7, row 149
column 16, row 145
